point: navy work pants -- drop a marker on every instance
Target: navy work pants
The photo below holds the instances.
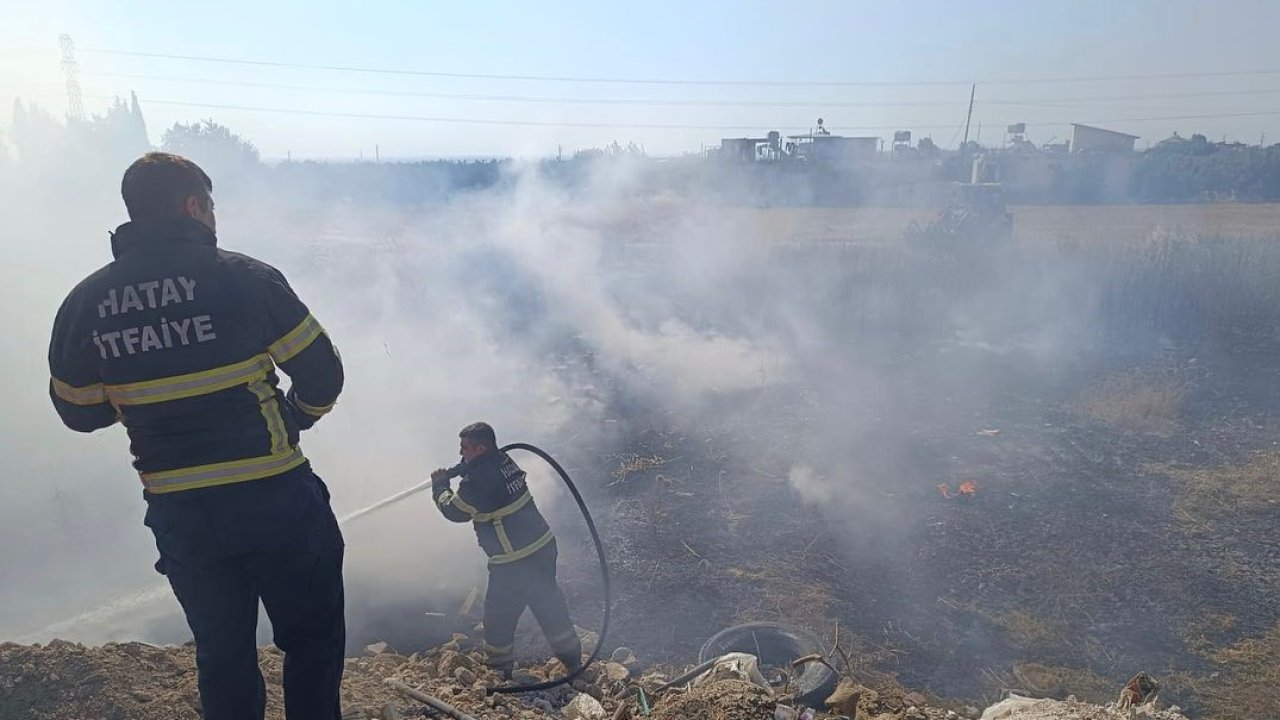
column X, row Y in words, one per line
column 225, row 548
column 530, row 583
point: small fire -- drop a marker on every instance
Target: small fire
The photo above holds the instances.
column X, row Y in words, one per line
column 968, row 488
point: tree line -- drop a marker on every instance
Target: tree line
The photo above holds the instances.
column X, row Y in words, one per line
column 71, row 152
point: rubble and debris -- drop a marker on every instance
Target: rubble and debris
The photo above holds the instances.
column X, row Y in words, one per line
column 432, row 702
column 845, row 698
column 64, row 680
column 584, row 707
column 720, row 700
column 1018, row 707
column 624, row 656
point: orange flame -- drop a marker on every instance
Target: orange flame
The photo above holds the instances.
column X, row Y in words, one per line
column 945, row 489
column 968, row 487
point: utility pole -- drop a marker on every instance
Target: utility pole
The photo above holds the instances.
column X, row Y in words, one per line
column 972, row 90
column 964, row 146
column 71, row 69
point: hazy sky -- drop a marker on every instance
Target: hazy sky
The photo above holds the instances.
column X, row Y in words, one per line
column 1064, row 47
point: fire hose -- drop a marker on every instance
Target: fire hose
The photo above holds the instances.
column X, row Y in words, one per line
column 595, row 540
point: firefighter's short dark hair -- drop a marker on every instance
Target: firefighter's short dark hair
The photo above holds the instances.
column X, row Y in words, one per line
column 481, row 433
column 157, row 185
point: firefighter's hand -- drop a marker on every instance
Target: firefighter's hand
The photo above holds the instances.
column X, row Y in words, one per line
column 440, row 478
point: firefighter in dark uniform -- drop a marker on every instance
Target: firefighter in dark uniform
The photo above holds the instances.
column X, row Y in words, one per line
column 180, row 342
column 494, row 497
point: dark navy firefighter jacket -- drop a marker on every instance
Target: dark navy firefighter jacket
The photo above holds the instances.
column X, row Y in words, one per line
column 180, row 341
column 494, row 497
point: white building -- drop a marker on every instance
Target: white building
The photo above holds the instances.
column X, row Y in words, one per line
column 1086, row 138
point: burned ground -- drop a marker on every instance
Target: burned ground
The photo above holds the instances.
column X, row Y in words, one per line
column 1113, row 404
column 1106, row 535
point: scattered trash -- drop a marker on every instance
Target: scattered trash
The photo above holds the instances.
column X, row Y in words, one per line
column 777, row 645
column 642, row 701
column 1006, row 708
column 1020, row 707
column 735, row 666
column 989, row 433
column 1140, row 690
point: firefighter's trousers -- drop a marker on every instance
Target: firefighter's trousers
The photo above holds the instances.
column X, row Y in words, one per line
column 530, row 582
column 225, row 548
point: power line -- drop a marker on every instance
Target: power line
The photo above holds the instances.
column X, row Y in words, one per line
column 556, row 100
column 668, row 81
column 655, row 126
column 489, row 121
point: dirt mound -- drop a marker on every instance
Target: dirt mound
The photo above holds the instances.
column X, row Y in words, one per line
column 136, row 681
column 125, row 681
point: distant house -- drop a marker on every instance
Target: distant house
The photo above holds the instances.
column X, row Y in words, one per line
column 832, row 149
column 1086, row 138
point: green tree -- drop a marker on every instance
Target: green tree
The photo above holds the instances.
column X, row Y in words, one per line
column 37, row 137
column 213, row 146
column 117, row 136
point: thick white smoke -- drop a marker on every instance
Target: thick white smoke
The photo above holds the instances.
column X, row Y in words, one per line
column 513, row 305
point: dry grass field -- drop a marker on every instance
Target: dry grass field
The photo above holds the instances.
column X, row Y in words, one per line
column 1031, row 223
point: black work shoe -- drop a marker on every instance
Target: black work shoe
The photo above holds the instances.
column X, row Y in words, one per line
column 570, row 663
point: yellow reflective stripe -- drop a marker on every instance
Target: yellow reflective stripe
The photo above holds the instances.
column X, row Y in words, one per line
column 296, row 340
column 87, row 395
column 177, row 387
column 495, row 655
column 503, row 539
column 523, row 553
column 461, row 504
column 271, row 415
column 223, row 473
column 312, row 410
column 505, row 510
